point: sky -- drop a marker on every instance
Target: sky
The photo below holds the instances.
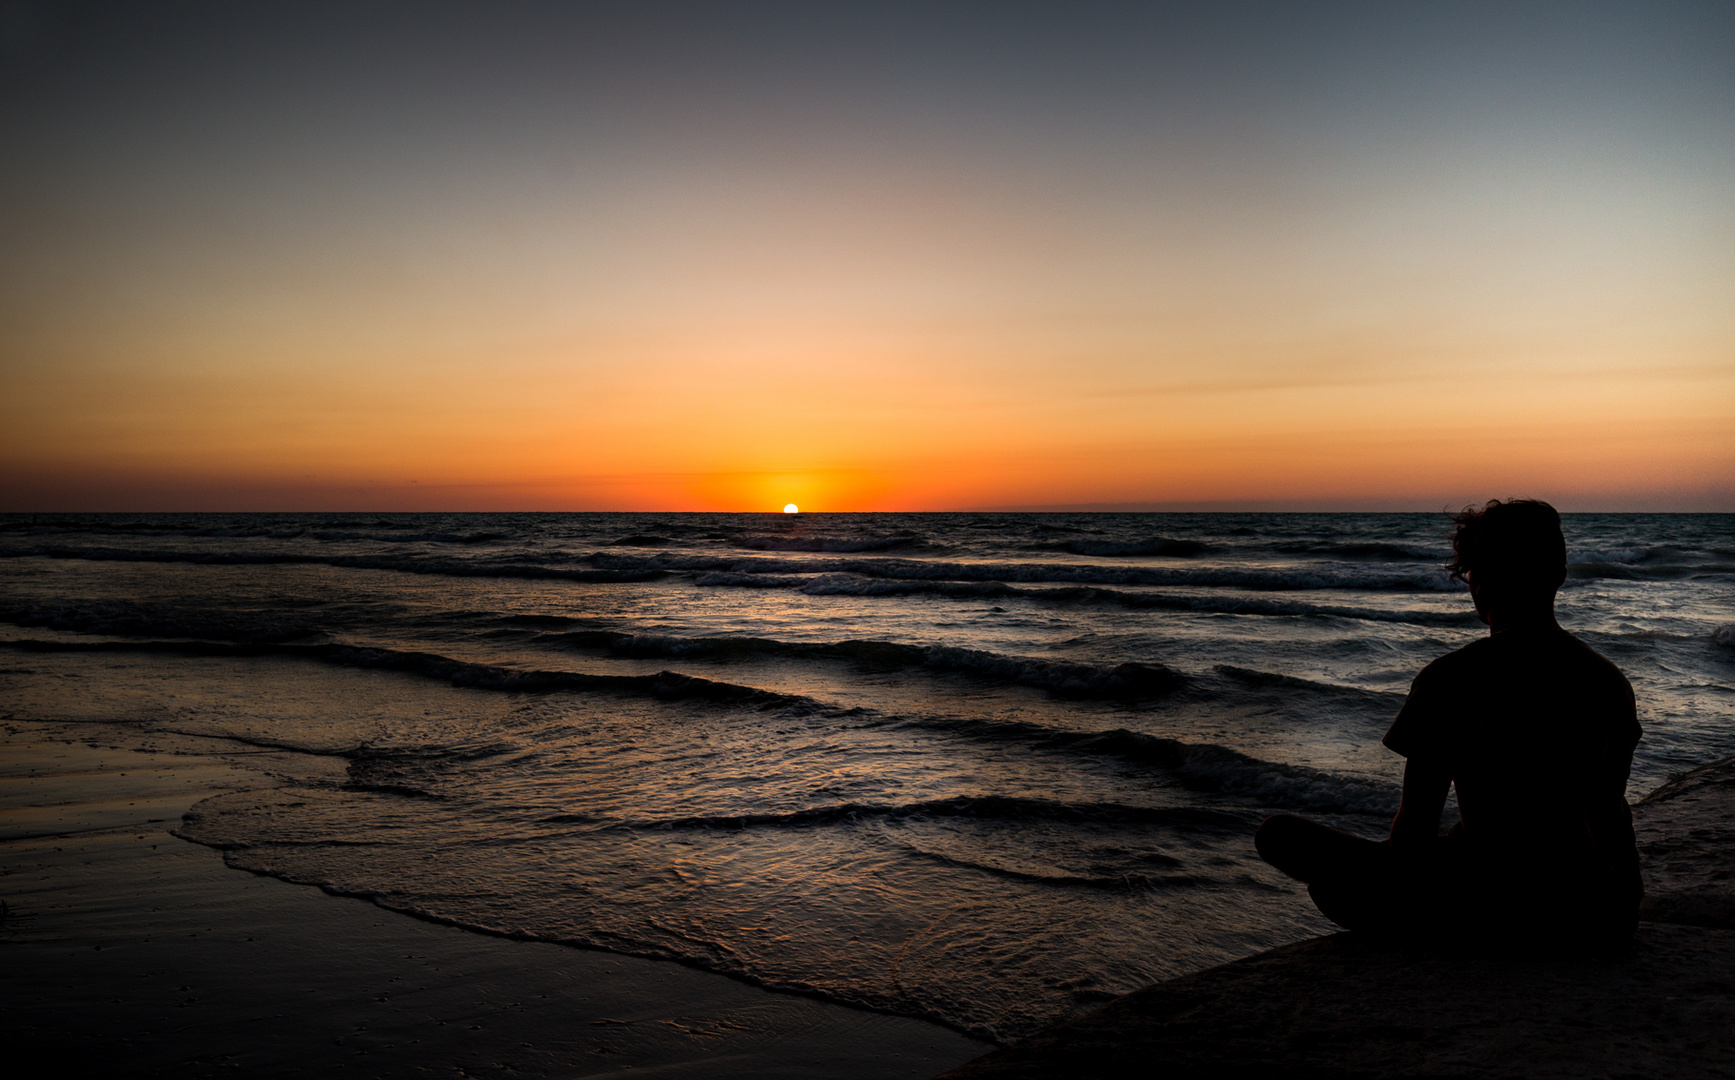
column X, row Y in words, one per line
column 648, row 256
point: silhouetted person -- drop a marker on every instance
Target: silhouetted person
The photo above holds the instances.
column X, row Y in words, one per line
column 1537, row 731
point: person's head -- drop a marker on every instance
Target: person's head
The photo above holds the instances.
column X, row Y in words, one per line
column 1512, row 555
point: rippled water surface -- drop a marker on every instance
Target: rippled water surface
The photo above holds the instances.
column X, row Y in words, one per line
column 988, row 768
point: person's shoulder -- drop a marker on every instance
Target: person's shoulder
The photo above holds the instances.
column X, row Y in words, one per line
column 1594, row 664
column 1449, row 674
column 1461, row 659
column 1597, row 677
column 1551, row 653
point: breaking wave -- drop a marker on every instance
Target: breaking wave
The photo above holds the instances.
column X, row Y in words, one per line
column 1366, row 550
column 846, row 585
column 125, row 619
column 1117, row 548
column 1427, row 579
column 1066, row 678
column 667, row 685
column 1664, row 562
column 831, row 543
column 382, row 531
column 983, row 807
column 1219, row 770
column 620, row 567
column 1252, row 677
column 407, row 564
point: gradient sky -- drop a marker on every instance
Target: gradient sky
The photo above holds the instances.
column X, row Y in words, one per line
column 728, row 256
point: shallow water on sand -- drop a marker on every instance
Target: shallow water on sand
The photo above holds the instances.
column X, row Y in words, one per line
column 987, row 768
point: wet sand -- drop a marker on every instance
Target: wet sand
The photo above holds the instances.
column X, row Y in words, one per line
column 130, row 952
column 1345, row 1007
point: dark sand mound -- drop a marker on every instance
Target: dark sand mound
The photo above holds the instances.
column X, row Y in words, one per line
column 1341, row 1006
column 1687, row 843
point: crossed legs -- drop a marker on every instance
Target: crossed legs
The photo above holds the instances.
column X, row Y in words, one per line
column 1356, row 883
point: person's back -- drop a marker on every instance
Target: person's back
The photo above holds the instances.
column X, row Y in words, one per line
column 1536, row 731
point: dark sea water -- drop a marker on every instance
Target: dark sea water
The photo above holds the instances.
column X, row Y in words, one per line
column 985, row 768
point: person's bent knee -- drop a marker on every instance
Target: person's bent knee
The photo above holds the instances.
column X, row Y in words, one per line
column 1275, row 839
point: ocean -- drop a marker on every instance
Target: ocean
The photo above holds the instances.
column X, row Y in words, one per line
column 989, row 769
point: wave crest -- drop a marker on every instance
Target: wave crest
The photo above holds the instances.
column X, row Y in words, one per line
column 408, row 564
column 847, row 585
column 1159, row 545
column 1428, row 579
column 984, row 807
column 667, row 685
column 831, row 543
column 1134, row 679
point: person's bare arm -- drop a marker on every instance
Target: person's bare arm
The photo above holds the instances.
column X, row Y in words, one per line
column 1418, row 822
column 1607, row 813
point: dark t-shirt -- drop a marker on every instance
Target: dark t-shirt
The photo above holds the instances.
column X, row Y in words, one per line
column 1537, row 732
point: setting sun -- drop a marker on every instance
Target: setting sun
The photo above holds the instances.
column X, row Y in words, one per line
column 791, row 508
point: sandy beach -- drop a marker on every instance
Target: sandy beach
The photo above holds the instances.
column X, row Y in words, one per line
column 1338, row 1007
column 131, row 952
column 1343, row 1006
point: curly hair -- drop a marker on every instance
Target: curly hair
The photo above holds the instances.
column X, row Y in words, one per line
column 1514, row 547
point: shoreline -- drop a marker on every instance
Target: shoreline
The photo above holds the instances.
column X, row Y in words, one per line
column 126, row 942
column 1345, row 1007
column 130, row 949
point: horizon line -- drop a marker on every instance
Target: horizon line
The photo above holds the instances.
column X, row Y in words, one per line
column 1223, row 507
